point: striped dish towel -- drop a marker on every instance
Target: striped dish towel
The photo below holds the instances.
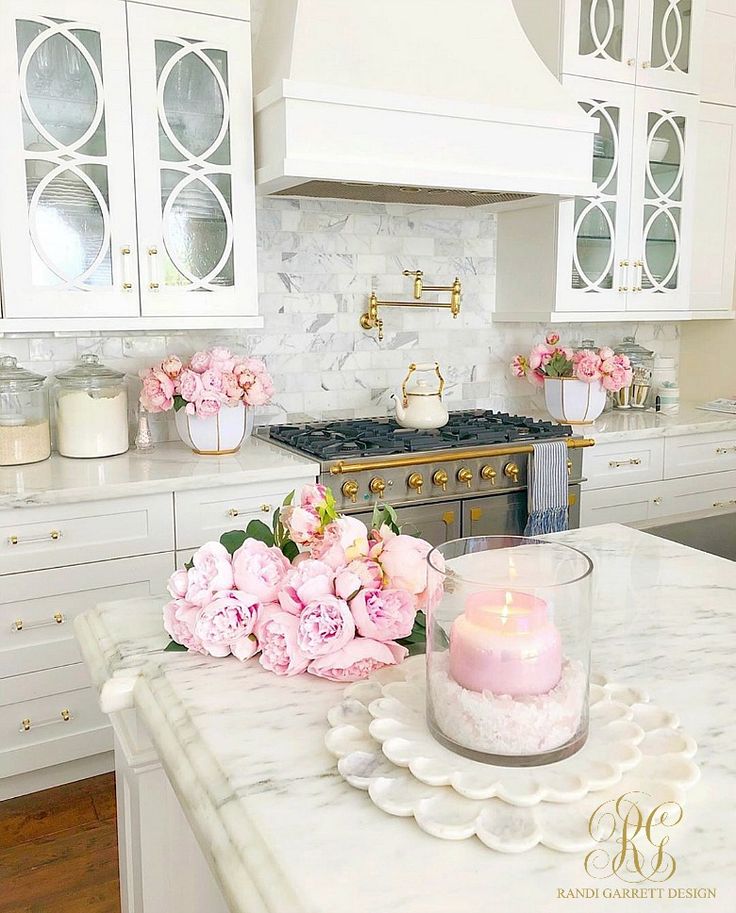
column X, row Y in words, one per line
column 547, row 489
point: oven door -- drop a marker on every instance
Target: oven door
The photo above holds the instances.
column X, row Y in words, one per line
column 506, row 515
column 437, row 523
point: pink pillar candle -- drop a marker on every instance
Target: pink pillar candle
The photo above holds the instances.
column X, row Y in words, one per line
column 505, row 642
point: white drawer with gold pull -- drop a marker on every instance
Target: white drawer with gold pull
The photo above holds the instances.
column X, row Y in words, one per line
column 623, row 463
column 714, row 491
column 27, row 724
column 40, row 606
column 699, row 454
column 53, row 536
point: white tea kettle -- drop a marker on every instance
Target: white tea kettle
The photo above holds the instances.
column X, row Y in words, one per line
column 422, row 407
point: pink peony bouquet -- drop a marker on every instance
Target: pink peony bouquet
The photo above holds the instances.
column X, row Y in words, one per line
column 317, row 592
column 550, row 359
column 209, row 381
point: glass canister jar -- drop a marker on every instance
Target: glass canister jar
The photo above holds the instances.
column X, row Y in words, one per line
column 640, row 395
column 91, row 410
column 24, row 415
column 508, row 649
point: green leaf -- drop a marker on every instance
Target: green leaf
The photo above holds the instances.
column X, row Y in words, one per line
column 233, row 539
column 289, row 499
column 290, row 549
column 173, row 647
column 179, row 402
column 257, row 529
column 189, row 564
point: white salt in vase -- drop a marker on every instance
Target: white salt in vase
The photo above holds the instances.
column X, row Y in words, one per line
column 574, row 401
column 216, row 435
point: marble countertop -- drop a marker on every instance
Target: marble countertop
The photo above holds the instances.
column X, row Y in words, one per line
column 245, row 752
column 169, row 467
column 628, row 424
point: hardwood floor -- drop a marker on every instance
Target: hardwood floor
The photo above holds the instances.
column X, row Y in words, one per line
column 58, row 850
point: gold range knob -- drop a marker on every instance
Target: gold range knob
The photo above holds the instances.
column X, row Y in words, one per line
column 350, row 490
column 465, row 477
column 511, row 471
column 416, row 481
column 441, row 479
column 488, row 474
column 377, row 485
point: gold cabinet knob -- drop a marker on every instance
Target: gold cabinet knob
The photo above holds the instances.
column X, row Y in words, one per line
column 465, row 477
column 233, row 513
column 488, row 474
column 377, row 485
column 511, row 471
column 569, row 467
column 440, row 478
column 416, row 481
column 58, row 618
column 153, row 285
column 66, row 715
column 25, row 725
column 350, row 490
column 266, row 508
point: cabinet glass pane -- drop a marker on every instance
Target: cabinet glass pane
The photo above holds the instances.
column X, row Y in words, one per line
column 671, row 35
column 195, row 164
column 601, row 29
column 593, row 264
column 663, row 201
column 65, row 148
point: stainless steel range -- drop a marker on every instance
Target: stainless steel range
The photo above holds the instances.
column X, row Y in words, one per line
column 468, row 478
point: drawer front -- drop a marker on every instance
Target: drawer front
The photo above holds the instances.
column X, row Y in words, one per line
column 205, row 514
column 716, row 491
column 624, row 463
column 628, row 504
column 42, row 537
column 698, row 454
column 37, row 608
column 42, row 729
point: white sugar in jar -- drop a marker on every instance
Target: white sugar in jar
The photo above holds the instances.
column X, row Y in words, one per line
column 91, row 411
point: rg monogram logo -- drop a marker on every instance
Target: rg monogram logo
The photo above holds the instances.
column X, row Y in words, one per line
column 641, row 855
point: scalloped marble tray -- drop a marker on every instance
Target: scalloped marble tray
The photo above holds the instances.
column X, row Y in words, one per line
column 380, row 738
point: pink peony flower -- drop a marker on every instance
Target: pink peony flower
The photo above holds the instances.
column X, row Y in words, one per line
column 343, row 541
column 519, row 366
column 214, row 563
column 302, row 523
column 179, row 620
column 383, row 614
column 190, row 385
column 230, row 388
column 360, row 574
column 254, row 380
column 178, row 584
column 200, row 362
column 312, row 497
column 211, row 381
column 605, row 353
column 356, row 660
column 171, row 366
column 259, row 392
column 207, row 406
column 259, row 569
column 325, row 625
column 157, row 393
column 305, row 582
column 587, row 366
column 225, row 625
column 540, row 356
column 552, row 339
column 222, row 359
column 404, row 562
column 280, row 652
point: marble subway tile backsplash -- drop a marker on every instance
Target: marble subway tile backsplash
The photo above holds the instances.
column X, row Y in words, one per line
column 318, row 261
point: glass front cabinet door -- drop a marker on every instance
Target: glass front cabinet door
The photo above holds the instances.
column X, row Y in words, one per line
column 600, row 38
column 663, row 205
column 67, row 218
column 669, row 34
column 191, row 93
column 594, row 231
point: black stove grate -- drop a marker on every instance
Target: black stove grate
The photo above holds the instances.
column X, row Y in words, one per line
column 384, row 436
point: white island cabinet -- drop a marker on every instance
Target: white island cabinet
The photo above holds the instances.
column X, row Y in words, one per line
column 229, row 802
column 74, row 533
column 115, row 221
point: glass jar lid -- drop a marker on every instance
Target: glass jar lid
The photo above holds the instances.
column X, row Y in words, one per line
column 637, row 354
column 14, row 378
column 90, row 374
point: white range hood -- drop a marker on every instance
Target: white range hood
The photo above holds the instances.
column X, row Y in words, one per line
column 423, row 101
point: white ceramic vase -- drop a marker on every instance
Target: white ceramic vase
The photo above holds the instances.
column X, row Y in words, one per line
column 218, row 434
column 574, row 401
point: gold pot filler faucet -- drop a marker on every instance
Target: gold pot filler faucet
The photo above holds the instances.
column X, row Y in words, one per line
column 371, row 321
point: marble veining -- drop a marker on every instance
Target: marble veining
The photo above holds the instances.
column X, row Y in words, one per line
column 169, row 467
column 629, row 424
column 245, row 753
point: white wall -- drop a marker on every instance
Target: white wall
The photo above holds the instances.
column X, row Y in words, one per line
column 317, row 263
column 708, row 360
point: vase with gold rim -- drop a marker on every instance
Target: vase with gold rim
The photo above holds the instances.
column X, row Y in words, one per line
column 573, row 401
column 216, row 435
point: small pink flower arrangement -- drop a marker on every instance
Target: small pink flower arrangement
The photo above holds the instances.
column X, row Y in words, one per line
column 317, row 592
column 550, row 359
column 210, row 380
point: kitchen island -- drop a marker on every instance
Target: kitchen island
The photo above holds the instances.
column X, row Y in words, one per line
column 229, row 801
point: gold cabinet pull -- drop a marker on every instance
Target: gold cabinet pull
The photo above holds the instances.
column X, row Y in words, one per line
column 616, row 464
column 56, row 619
column 27, row 724
column 266, row 508
column 475, row 514
column 233, row 513
column 125, row 252
column 731, row 503
column 54, row 535
column 722, row 450
column 448, row 517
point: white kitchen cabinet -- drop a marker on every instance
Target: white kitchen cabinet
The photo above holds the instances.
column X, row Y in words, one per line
column 714, row 491
column 718, row 83
column 653, row 43
column 205, row 514
column 110, row 221
column 625, row 504
column 610, row 465
column 697, row 454
column 624, row 253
